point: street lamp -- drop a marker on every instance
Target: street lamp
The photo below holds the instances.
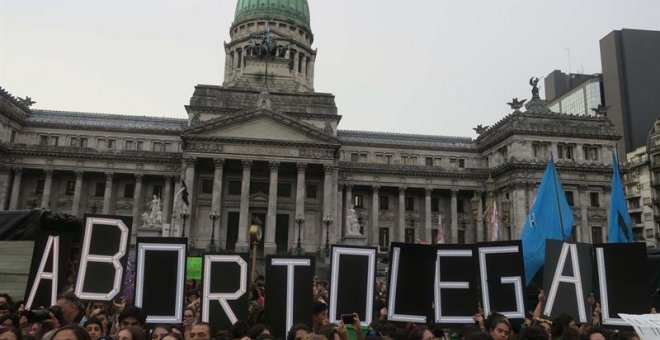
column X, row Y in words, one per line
column 214, row 216
column 299, row 221
column 184, row 216
column 327, row 221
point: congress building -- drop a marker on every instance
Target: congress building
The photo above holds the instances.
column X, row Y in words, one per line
column 265, row 148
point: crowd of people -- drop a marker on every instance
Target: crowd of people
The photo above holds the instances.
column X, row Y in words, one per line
column 73, row 319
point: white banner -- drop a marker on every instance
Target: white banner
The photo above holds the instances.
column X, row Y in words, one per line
column 647, row 326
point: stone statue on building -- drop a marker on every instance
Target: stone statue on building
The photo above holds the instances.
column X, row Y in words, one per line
column 601, row 110
column 516, row 104
column 534, row 82
column 27, row 101
column 352, row 223
column 154, row 217
column 480, row 129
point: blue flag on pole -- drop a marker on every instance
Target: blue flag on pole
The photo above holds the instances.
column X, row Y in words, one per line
column 550, row 218
column 620, row 228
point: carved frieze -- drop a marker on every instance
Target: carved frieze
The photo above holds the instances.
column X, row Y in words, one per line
column 316, row 153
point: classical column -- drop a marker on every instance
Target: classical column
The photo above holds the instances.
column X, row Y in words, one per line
column 4, row 186
column 480, row 222
column 310, row 76
column 16, row 189
column 189, row 180
column 137, row 202
column 454, row 216
column 517, row 221
column 271, row 217
column 348, row 206
column 327, row 189
column 216, row 198
column 244, row 218
column 583, row 232
column 300, row 190
column 107, row 195
column 328, row 195
column 167, row 198
column 48, row 186
column 77, row 192
column 375, row 207
column 304, row 67
column 295, row 62
column 428, row 225
column 401, row 228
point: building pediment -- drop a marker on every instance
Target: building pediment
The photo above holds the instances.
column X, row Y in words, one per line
column 259, row 124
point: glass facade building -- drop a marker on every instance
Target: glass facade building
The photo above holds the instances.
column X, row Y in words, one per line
column 580, row 100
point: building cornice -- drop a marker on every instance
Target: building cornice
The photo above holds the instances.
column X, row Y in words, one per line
column 562, row 167
column 410, row 170
column 93, row 154
column 263, row 142
column 532, row 124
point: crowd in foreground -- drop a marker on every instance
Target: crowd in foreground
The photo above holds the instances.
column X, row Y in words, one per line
column 73, row 319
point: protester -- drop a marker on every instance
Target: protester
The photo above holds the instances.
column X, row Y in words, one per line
column 172, row 336
column 131, row 333
column 545, row 324
column 10, row 333
column 419, row 333
column 259, row 329
column 5, row 309
column 189, row 319
column 561, row 323
column 94, row 328
column 533, row 333
column 201, row 331
column 72, row 309
column 298, row 332
column 132, row 316
column 498, row 327
column 9, row 320
column 71, row 332
column 319, row 316
column 102, row 316
column 240, row 329
column 157, row 331
column 597, row 333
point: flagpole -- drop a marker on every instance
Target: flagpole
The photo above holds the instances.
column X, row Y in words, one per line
column 554, row 184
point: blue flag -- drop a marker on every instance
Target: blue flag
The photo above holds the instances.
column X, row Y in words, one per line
column 620, row 228
column 550, row 218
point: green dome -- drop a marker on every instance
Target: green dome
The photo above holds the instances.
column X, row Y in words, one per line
column 286, row 10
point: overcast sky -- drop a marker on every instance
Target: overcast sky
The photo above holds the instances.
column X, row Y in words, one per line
column 417, row 66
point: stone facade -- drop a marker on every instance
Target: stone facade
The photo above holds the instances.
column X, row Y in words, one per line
column 653, row 151
column 265, row 145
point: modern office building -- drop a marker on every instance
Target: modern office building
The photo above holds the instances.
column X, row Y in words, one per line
column 631, row 83
column 265, row 144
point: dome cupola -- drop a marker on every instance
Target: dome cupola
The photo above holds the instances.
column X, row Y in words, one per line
column 292, row 11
